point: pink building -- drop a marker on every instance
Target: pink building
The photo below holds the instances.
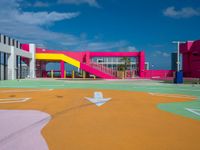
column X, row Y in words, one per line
column 101, row 64
column 191, row 58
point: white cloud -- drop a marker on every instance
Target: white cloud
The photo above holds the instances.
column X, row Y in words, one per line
column 166, row 54
column 161, row 54
column 27, row 26
column 42, row 18
column 128, row 48
column 93, row 3
column 30, row 27
column 185, row 12
column 102, row 46
column 41, row 4
column 131, row 49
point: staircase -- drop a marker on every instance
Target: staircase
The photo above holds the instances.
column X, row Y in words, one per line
column 104, row 69
column 99, row 70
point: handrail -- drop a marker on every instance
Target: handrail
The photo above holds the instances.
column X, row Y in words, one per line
column 104, row 69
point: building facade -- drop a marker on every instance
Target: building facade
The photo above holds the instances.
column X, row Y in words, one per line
column 100, row 64
column 191, row 58
column 11, row 57
column 26, row 60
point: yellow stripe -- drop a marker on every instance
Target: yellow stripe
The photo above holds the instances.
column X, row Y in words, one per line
column 62, row 57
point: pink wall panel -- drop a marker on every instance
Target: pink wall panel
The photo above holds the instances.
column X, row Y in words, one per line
column 159, row 73
column 114, row 54
column 25, row 47
column 191, row 59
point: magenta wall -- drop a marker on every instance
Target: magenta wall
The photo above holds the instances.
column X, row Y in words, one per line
column 85, row 57
column 114, row 54
column 25, row 47
column 191, row 58
column 158, row 73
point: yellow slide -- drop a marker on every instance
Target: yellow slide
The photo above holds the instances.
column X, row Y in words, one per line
column 54, row 56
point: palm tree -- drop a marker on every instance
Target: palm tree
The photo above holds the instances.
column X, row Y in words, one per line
column 124, row 67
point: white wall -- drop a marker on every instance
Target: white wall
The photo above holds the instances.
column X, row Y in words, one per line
column 12, row 52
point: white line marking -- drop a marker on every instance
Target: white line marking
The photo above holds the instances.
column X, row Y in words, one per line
column 51, row 85
column 13, row 100
column 98, row 99
column 172, row 95
column 28, row 86
column 170, row 88
column 24, row 91
column 194, row 111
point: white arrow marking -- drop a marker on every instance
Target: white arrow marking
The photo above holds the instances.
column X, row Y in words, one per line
column 13, row 100
column 194, row 111
column 98, row 99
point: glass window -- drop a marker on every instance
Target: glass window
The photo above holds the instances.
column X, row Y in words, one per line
column 6, row 58
column 109, row 59
column 2, row 58
column 100, row 60
column 13, row 42
column 4, row 39
column 17, row 44
column 115, row 59
column 94, row 59
column 9, row 41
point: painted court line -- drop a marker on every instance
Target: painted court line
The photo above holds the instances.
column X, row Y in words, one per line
column 170, row 88
column 194, row 111
column 171, row 95
column 51, row 85
column 28, row 86
column 13, row 100
column 24, row 91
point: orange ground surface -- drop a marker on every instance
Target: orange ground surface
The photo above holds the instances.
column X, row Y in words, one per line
column 129, row 121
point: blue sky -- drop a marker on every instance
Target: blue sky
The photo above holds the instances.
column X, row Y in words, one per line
column 104, row 25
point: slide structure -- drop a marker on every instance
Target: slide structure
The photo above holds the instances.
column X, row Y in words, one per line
column 51, row 56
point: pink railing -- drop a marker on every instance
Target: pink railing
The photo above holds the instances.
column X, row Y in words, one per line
column 104, row 69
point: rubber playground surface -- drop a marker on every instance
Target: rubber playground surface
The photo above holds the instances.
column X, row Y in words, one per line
column 141, row 114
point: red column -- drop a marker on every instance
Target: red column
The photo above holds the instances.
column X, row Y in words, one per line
column 142, row 64
column 87, row 57
column 62, row 69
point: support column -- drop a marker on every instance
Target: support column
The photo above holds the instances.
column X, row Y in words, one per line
column 20, row 66
column 142, row 64
column 11, row 64
column 88, row 57
column 43, row 69
column 17, row 67
column 62, row 69
column 5, row 74
column 32, row 61
column 0, row 65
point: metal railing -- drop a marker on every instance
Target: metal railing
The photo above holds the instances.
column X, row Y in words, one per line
column 104, row 69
